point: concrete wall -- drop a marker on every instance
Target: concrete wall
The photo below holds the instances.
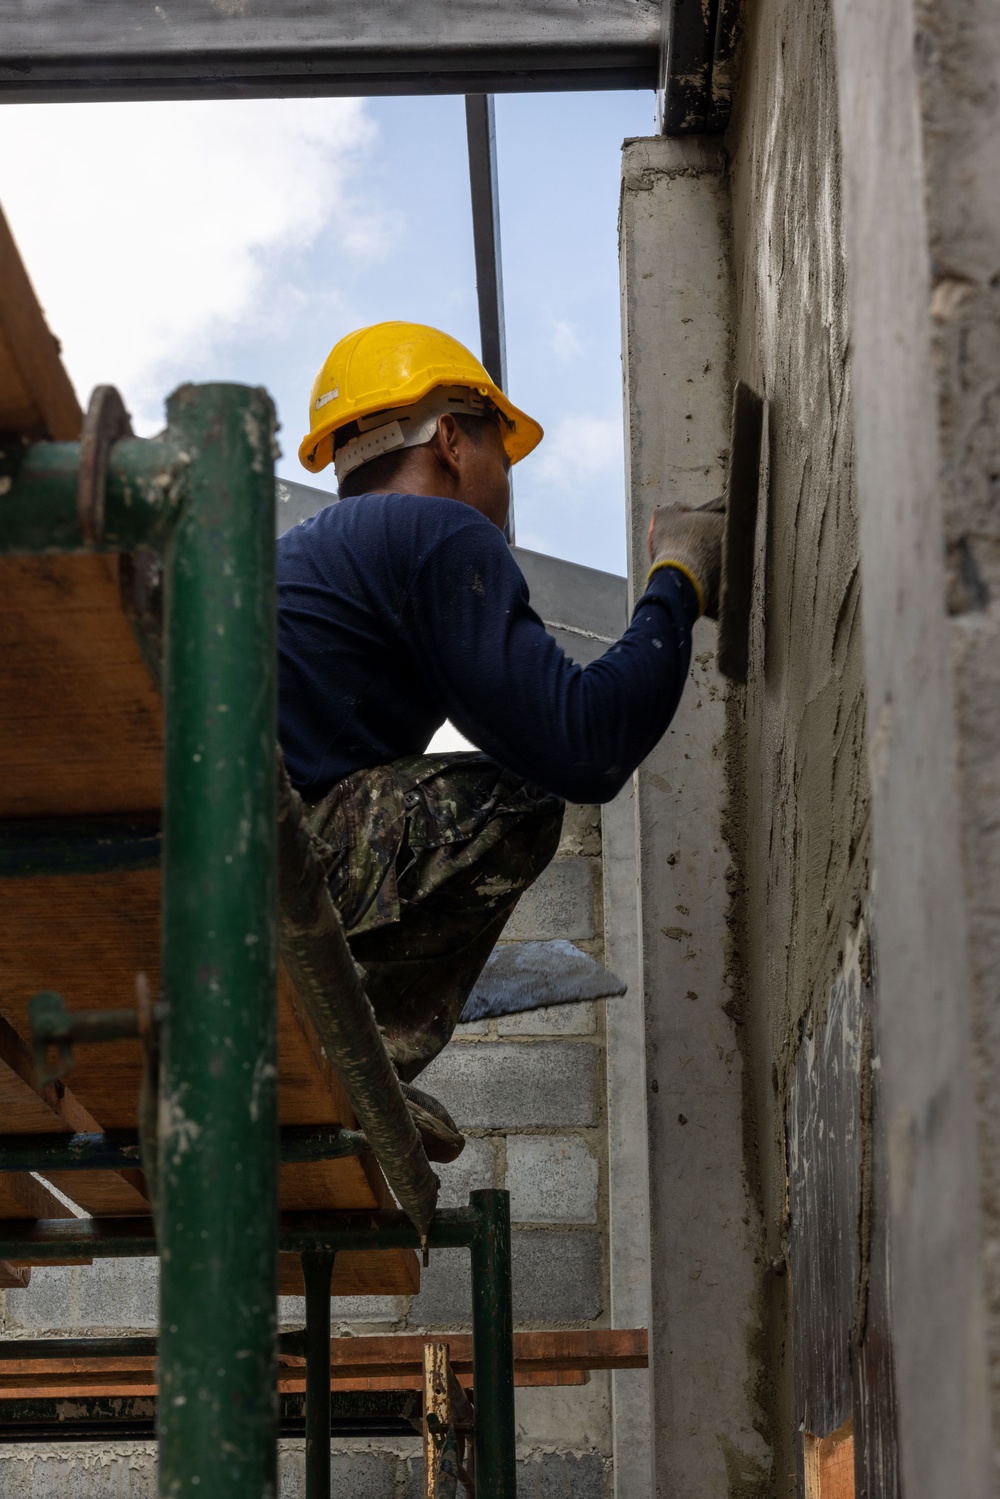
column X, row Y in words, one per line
column 796, row 747
column 921, row 146
column 709, row 1435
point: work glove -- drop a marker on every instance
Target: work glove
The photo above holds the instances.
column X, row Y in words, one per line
column 690, row 540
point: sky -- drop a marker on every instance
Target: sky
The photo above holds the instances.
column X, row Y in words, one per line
column 238, row 240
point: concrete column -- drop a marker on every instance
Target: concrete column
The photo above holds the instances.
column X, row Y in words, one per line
column 921, row 147
column 628, row 1162
column 677, row 290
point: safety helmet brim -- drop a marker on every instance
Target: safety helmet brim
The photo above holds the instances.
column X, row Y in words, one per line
column 392, row 365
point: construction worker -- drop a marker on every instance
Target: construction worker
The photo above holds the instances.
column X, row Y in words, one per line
column 401, row 606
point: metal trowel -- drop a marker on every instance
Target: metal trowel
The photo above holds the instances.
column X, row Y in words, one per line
column 529, row 975
column 739, row 506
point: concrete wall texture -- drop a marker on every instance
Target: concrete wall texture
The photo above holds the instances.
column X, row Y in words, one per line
column 704, row 1316
column 799, row 806
column 843, row 255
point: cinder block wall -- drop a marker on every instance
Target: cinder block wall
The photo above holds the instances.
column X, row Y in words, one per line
column 529, row 1091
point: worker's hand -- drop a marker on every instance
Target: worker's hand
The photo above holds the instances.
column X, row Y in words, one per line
column 692, row 541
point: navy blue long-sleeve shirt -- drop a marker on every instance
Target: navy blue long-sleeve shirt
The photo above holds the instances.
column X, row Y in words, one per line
column 397, row 611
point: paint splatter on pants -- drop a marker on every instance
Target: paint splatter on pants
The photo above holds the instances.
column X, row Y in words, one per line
column 425, row 859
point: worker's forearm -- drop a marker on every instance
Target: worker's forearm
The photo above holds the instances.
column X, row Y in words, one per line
column 579, row 732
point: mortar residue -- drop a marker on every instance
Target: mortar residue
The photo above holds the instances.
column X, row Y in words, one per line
column 798, row 780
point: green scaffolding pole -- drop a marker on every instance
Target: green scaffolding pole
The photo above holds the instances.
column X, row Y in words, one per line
column 217, row 1119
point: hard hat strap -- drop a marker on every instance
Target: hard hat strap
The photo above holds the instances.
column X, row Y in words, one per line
column 406, row 426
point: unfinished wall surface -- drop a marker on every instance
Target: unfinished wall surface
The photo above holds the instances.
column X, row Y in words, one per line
column 796, row 745
column 958, row 48
column 920, row 120
column 704, row 1314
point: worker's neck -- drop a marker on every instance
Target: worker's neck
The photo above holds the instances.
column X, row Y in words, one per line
column 423, row 474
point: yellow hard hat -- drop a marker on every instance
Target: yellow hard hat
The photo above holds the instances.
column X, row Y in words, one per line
column 393, row 365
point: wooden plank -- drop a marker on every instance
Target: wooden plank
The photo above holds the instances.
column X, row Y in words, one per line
column 36, row 396
column 27, row 1109
column 80, row 721
column 828, row 1464
column 401, row 1354
column 23, row 1197
column 69, row 1387
column 87, row 937
column 591, row 1348
column 14, row 1277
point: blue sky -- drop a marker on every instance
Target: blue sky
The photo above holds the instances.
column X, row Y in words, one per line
column 238, row 241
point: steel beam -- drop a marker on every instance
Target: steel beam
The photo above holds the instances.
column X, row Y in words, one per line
column 480, row 126
column 137, row 49
column 42, row 846
column 480, row 129
column 317, row 1273
column 493, row 1348
column 106, row 1418
column 697, row 51
column 121, row 1150
column 46, row 1240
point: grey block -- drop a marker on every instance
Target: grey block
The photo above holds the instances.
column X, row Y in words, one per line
column 561, row 903
column 364, row 1475
column 297, row 502
column 370, row 1473
column 373, row 1309
column 472, row 1028
column 581, row 831
column 475, row 1167
column 568, row 1475
column 79, row 1471
column 557, row 1277
column 509, row 1086
column 414, row 1481
column 551, row 1179
column 445, row 1297
column 552, row 1020
column 108, row 1294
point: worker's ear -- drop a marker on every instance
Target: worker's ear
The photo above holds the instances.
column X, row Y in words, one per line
column 446, row 444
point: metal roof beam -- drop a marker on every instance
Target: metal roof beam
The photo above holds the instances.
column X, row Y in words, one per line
column 697, row 54
column 60, row 50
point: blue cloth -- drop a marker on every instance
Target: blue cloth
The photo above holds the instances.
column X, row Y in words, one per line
column 398, row 611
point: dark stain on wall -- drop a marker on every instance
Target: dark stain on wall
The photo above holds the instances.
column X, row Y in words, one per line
column 838, row 1229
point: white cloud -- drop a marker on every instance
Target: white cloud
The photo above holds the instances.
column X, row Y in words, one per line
column 580, row 449
column 152, row 231
column 566, row 344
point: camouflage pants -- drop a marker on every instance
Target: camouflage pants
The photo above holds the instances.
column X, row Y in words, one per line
column 425, row 860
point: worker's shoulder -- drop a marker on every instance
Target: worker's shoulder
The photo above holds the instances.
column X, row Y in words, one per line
column 390, row 536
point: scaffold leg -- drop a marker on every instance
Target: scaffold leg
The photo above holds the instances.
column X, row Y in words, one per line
column 317, row 1272
column 493, row 1348
column 217, row 1123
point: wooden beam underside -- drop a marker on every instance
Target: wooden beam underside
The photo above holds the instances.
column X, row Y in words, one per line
column 392, row 1362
